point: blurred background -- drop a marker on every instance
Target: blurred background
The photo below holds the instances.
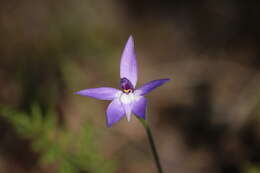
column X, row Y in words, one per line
column 206, row 119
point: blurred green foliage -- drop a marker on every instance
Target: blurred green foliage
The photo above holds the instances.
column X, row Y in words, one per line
column 251, row 168
column 70, row 152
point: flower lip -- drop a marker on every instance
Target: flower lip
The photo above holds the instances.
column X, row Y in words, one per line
column 126, row 85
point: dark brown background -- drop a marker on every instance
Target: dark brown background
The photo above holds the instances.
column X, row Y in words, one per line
column 206, row 119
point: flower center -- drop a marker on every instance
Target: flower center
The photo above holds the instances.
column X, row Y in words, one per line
column 127, row 98
column 126, row 86
column 127, row 91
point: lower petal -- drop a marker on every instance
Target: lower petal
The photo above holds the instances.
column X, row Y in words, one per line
column 115, row 112
column 139, row 107
column 128, row 110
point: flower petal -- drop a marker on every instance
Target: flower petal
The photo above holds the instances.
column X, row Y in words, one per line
column 139, row 107
column 102, row 93
column 128, row 110
column 115, row 112
column 128, row 65
column 148, row 87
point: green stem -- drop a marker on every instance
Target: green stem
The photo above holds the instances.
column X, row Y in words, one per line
column 151, row 141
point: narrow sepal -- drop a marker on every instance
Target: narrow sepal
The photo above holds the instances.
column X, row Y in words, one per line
column 148, row 87
column 128, row 64
column 102, row 93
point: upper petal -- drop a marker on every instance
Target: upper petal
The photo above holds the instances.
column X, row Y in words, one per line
column 148, row 87
column 139, row 107
column 115, row 112
column 128, row 65
column 102, row 93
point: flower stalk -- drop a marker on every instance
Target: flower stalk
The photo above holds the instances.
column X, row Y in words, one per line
column 129, row 100
column 152, row 144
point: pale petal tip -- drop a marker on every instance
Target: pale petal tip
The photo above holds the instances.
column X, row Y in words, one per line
column 109, row 125
column 131, row 37
column 130, row 41
column 77, row 93
column 128, row 117
column 167, row 79
column 81, row 93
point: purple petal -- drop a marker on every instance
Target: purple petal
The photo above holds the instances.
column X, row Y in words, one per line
column 102, row 93
column 128, row 65
column 148, row 87
column 139, row 107
column 115, row 112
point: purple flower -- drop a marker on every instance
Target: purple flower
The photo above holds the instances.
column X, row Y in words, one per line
column 128, row 100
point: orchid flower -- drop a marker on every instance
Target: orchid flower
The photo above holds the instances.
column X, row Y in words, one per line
column 127, row 100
